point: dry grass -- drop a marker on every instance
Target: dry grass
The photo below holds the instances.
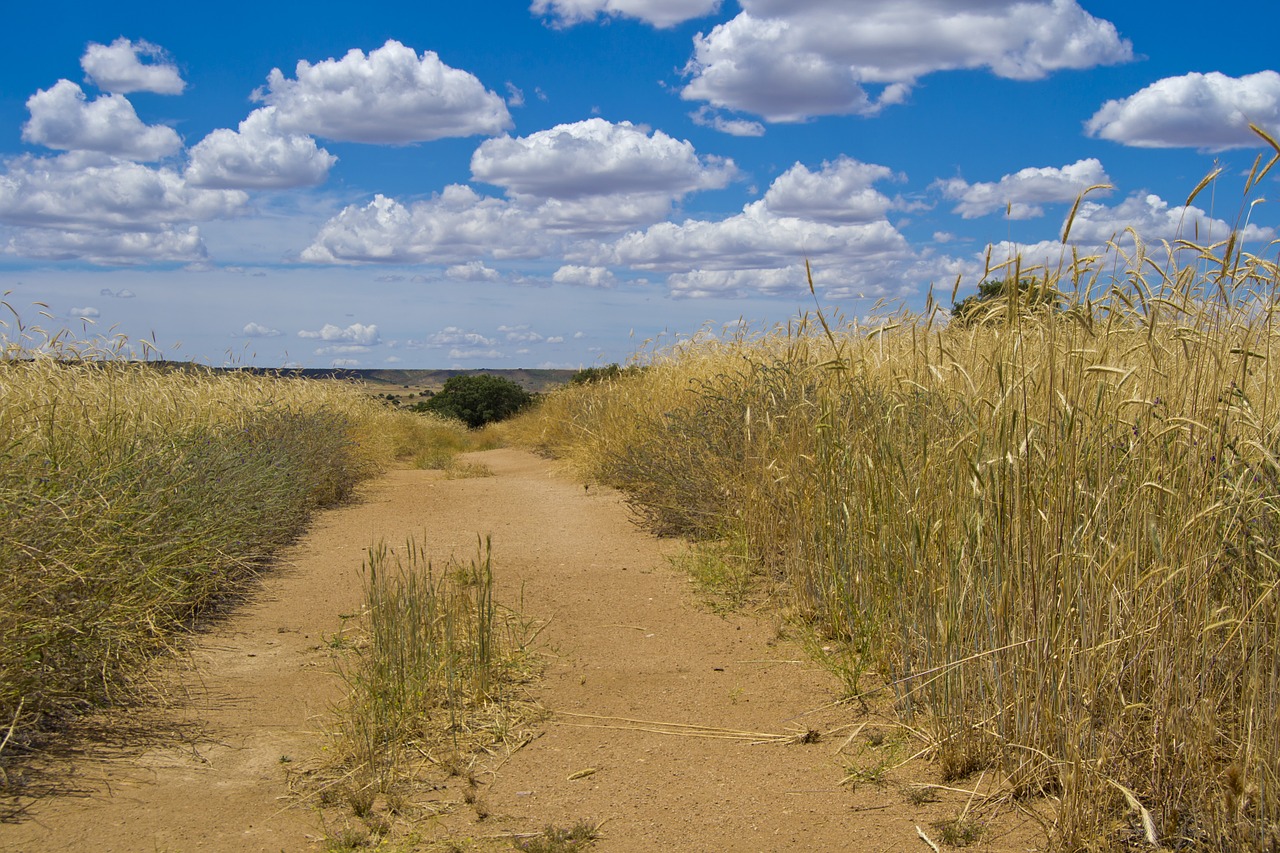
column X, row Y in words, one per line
column 132, row 498
column 437, row 678
column 1056, row 534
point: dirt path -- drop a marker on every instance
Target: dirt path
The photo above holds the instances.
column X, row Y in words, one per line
column 626, row 638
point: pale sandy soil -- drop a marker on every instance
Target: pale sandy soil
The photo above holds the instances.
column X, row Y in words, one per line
column 626, row 636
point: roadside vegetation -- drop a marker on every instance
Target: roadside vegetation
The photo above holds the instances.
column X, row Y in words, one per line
column 1052, row 529
column 135, row 498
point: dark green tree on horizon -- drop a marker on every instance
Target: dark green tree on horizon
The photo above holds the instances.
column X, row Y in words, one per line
column 1030, row 294
column 477, row 399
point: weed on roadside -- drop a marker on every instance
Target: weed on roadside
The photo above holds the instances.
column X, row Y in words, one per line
column 720, row 572
column 436, row 676
column 581, row 836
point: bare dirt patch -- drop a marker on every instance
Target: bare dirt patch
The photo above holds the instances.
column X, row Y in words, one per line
column 674, row 726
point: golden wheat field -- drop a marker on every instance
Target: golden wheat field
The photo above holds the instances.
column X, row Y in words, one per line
column 1052, row 530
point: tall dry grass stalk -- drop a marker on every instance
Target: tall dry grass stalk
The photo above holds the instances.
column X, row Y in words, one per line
column 438, row 673
column 1055, row 533
column 132, row 497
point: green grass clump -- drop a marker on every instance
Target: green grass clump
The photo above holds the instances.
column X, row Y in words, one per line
column 132, row 498
column 1054, row 533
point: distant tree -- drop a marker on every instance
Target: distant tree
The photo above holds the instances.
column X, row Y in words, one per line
column 477, row 399
column 1030, row 293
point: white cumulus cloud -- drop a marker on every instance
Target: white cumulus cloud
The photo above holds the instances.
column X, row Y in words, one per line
column 457, row 226
column 659, row 13
column 753, row 239
column 1096, row 224
column 390, row 96
column 110, row 248
column 80, row 191
column 258, row 156
column 584, row 276
column 789, row 60
column 840, row 192
column 257, row 330
column 472, row 271
column 357, row 334
column 594, row 158
column 456, row 336
column 62, row 118
column 832, row 217
column 119, row 67
column 1024, row 192
column 86, row 313
column 595, row 176
column 1211, row 111
column 705, row 116
column 521, row 334
column 1154, row 219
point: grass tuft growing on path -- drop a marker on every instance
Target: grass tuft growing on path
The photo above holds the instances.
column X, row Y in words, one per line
column 436, row 678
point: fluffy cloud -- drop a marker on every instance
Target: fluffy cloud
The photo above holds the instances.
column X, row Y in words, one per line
column 594, row 158
column 753, row 239
column 62, row 118
column 595, row 176
column 117, row 294
column 584, row 276
column 788, row 60
column 705, row 116
column 590, row 178
column 112, row 248
column 357, row 334
column 85, row 313
column 1195, row 110
column 840, row 192
column 119, row 67
column 521, row 335
column 390, row 96
column 455, row 336
column 456, row 226
column 80, row 191
column 660, row 13
column 472, row 271
column 1023, row 192
column 1154, row 220
column 1096, row 225
column 831, row 216
column 703, row 283
column 258, row 156
column 600, row 215
column 257, row 330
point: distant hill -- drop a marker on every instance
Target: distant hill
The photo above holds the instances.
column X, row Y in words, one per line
column 394, row 380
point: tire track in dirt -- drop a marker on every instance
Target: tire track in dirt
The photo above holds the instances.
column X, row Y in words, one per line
column 625, row 638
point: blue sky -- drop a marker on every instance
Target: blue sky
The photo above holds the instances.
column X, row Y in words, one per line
column 555, row 183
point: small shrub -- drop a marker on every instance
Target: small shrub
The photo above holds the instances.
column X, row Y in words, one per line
column 478, row 399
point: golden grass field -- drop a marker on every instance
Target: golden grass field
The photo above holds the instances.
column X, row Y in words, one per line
column 1051, row 532
column 1054, row 534
column 134, row 499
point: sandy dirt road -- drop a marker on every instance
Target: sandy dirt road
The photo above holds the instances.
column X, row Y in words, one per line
column 626, row 638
